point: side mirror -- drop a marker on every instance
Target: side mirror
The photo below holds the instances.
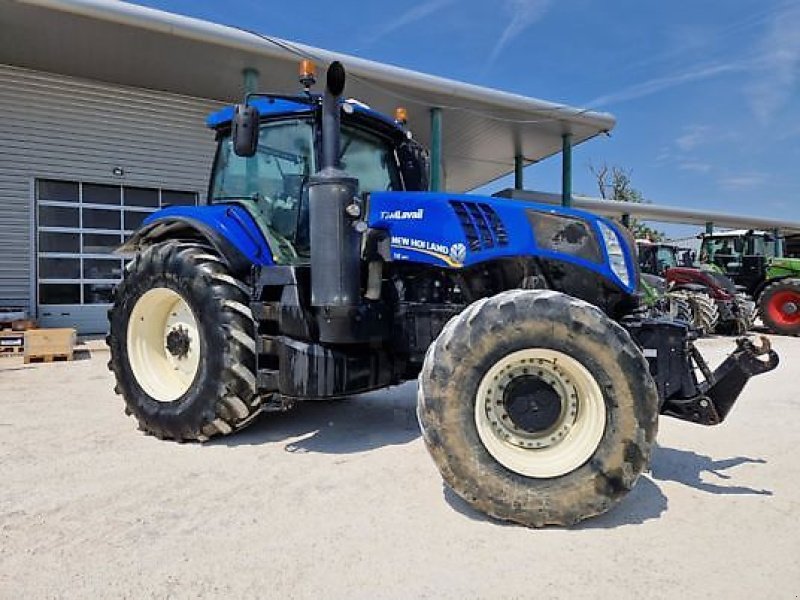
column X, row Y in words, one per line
column 244, row 130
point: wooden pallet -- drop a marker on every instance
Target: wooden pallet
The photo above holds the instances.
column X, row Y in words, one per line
column 47, row 345
column 12, row 343
column 6, row 351
column 17, row 325
column 48, row 358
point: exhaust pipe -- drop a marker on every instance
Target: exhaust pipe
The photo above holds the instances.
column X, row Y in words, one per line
column 335, row 244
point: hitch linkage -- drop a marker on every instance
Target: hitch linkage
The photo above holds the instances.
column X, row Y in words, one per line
column 674, row 361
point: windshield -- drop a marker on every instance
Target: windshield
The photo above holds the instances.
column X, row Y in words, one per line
column 371, row 159
column 665, row 258
column 273, row 178
column 272, row 181
column 722, row 250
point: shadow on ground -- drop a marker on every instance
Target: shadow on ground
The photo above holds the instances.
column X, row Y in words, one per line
column 646, row 501
column 388, row 418
column 385, row 418
column 687, row 467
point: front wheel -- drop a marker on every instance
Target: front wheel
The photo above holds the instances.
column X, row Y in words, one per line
column 537, row 408
column 182, row 343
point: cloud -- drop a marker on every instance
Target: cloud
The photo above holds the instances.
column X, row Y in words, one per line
column 693, row 136
column 413, row 14
column 524, row 13
column 742, row 182
column 694, row 166
column 659, row 84
column 779, row 59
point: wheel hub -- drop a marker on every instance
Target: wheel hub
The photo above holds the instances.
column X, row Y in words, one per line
column 540, row 412
column 178, row 342
column 532, row 404
column 163, row 344
column 784, row 308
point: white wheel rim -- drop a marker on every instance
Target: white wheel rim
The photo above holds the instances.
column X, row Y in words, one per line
column 576, row 432
column 164, row 374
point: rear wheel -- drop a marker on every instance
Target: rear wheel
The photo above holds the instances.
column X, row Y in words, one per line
column 182, row 343
column 779, row 305
column 537, row 408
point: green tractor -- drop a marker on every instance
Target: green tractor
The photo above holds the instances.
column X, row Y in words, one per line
column 755, row 260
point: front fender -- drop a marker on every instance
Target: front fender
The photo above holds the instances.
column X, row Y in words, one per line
column 229, row 228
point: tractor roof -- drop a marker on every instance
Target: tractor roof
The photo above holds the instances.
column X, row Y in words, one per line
column 734, row 233
column 276, row 107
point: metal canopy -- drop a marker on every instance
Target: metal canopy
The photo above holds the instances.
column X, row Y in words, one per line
column 658, row 213
column 483, row 130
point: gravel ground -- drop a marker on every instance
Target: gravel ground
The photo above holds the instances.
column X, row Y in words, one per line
column 340, row 500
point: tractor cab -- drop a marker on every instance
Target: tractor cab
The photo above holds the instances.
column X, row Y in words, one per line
column 742, row 255
column 657, row 258
column 271, row 177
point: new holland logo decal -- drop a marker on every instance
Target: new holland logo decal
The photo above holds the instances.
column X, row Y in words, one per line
column 453, row 256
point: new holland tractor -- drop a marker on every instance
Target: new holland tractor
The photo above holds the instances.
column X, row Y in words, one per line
column 321, row 267
column 755, row 260
column 717, row 305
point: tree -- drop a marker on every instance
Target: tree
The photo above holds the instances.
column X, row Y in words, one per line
column 614, row 183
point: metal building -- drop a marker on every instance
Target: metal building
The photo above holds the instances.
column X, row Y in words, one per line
column 102, row 108
column 81, row 164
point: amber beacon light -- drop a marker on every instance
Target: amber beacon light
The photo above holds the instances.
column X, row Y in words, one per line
column 308, row 73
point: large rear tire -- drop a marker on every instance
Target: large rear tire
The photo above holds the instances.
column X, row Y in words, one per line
column 182, row 343
column 779, row 305
column 537, row 408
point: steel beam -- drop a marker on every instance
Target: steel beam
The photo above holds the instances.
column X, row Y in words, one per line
column 519, row 183
column 566, row 169
column 436, row 150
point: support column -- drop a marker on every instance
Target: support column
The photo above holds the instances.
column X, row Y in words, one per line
column 519, row 183
column 566, row 170
column 250, row 80
column 626, row 221
column 436, row 149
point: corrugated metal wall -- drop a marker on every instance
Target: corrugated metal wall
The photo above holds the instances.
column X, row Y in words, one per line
column 57, row 127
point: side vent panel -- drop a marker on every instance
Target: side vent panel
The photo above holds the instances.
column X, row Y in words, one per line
column 481, row 225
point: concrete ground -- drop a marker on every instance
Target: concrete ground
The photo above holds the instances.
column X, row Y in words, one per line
column 340, row 500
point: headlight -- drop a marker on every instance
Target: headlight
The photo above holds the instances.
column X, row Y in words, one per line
column 616, row 255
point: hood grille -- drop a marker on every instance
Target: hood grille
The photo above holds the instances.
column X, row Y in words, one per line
column 481, row 225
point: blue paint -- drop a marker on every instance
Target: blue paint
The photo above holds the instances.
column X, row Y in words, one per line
column 426, row 229
column 230, row 221
column 278, row 107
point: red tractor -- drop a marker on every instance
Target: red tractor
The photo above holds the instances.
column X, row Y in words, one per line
column 718, row 304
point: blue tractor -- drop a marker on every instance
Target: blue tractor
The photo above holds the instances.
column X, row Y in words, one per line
column 321, row 267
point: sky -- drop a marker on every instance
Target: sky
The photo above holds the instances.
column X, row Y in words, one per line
column 706, row 94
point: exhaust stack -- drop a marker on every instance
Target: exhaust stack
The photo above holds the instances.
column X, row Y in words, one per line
column 335, row 247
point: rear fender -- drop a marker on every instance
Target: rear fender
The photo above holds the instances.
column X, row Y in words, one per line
column 228, row 228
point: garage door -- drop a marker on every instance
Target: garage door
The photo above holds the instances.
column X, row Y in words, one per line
column 79, row 224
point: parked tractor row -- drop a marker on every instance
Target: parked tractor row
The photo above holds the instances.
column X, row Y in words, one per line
column 322, row 267
column 737, row 276
column 713, row 302
column 755, row 261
